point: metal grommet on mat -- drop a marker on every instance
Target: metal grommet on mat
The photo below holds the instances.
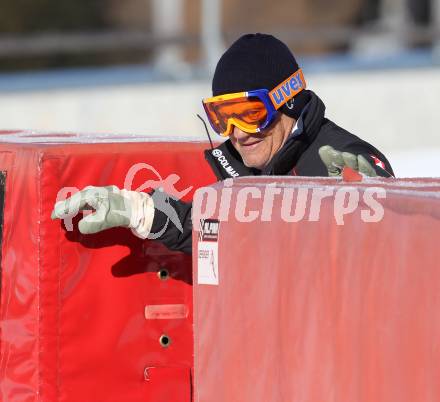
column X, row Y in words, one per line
column 163, row 274
column 165, row 341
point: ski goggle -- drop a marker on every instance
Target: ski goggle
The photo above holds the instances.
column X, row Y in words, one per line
column 251, row 111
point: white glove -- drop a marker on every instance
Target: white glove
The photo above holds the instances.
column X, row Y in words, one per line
column 335, row 161
column 113, row 208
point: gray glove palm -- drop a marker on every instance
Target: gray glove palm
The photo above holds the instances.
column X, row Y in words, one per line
column 335, row 161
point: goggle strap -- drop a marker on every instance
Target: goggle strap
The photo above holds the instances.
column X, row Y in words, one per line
column 290, row 87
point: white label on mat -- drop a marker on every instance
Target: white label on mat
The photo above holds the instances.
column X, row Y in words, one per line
column 207, row 273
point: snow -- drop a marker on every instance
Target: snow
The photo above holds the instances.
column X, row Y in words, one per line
column 415, row 163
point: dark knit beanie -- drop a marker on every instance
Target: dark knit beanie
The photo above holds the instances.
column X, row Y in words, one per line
column 257, row 61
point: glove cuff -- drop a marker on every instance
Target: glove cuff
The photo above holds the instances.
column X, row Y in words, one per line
column 142, row 212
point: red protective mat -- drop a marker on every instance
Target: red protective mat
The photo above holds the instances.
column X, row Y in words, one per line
column 73, row 307
column 313, row 310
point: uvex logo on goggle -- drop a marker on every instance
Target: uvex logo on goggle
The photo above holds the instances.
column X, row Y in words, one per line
column 287, row 89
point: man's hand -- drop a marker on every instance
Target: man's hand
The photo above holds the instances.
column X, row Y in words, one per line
column 113, row 208
column 335, row 161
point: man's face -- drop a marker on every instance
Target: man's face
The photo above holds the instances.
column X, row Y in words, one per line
column 258, row 149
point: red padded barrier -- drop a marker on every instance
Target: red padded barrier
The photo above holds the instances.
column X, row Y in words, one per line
column 315, row 311
column 73, row 307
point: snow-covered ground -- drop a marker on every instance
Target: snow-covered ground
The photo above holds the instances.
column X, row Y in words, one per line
column 415, row 163
column 395, row 110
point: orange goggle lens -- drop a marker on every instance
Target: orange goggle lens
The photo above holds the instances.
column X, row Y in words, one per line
column 247, row 113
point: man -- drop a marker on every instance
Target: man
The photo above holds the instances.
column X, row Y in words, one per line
column 274, row 127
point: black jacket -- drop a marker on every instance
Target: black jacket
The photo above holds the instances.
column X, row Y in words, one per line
column 298, row 156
